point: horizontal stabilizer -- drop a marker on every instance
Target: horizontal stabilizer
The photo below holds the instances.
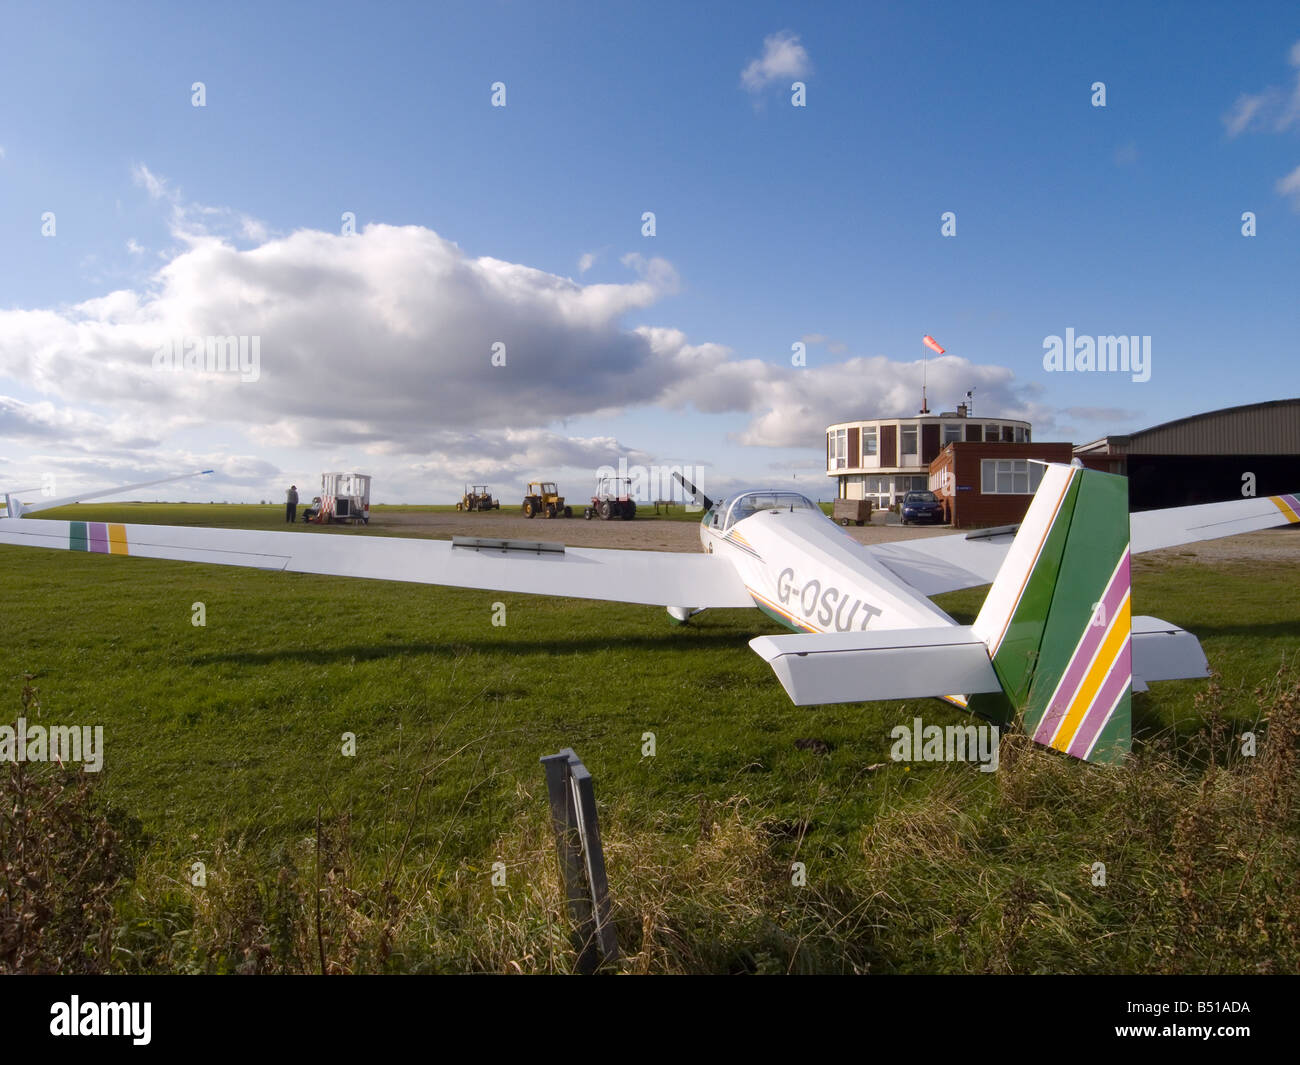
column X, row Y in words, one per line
column 1162, row 651
column 849, row 667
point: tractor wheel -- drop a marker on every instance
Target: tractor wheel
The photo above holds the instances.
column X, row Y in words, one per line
column 588, row 514
column 629, row 511
column 844, row 521
column 550, row 510
column 605, row 510
column 568, row 512
column 460, row 506
column 529, row 510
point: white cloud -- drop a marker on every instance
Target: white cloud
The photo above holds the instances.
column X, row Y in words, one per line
column 193, row 222
column 586, row 261
column 1289, row 186
column 133, row 247
column 145, row 178
column 783, row 57
column 380, row 345
column 1274, row 107
column 836, row 347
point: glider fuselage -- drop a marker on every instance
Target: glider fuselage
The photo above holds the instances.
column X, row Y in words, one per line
column 805, row 571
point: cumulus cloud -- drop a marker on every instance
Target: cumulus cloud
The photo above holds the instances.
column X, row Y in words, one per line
column 586, row 261
column 396, row 345
column 796, row 405
column 783, row 58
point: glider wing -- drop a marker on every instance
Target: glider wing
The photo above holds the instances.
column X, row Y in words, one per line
column 658, row 578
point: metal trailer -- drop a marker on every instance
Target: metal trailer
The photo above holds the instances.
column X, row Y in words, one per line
column 857, row 511
column 344, row 498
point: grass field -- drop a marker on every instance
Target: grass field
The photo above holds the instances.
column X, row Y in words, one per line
column 223, row 745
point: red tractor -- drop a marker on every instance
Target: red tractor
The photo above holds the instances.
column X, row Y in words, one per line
column 613, row 499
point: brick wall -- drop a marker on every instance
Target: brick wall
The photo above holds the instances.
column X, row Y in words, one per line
column 968, row 507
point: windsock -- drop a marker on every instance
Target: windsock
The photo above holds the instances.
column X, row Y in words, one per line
column 931, row 343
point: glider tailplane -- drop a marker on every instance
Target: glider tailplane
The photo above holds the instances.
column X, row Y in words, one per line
column 1057, row 621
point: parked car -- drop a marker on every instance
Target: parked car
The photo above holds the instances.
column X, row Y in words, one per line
column 922, row 507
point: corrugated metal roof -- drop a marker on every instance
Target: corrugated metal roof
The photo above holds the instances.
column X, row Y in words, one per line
column 1271, row 428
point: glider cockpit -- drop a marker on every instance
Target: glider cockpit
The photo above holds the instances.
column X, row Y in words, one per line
column 725, row 513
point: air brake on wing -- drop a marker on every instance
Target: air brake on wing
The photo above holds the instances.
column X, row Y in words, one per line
column 531, row 547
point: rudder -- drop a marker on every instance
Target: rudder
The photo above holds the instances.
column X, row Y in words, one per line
column 1057, row 620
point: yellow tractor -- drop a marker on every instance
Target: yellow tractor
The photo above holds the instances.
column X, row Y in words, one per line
column 543, row 498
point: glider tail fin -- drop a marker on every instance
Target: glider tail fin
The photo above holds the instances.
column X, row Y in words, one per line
column 13, row 506
column 1057, row 620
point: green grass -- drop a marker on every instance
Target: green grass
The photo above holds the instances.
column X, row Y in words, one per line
column 223, row 742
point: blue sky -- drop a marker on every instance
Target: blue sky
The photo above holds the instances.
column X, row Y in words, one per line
column 774, row 224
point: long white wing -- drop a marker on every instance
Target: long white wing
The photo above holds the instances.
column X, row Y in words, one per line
column 1151, row 529
column 657, row 578
column 948, row 563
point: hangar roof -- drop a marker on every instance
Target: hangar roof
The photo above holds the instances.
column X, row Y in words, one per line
column 1271, row 428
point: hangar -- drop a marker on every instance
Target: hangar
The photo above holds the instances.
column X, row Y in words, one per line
column 1205, row 458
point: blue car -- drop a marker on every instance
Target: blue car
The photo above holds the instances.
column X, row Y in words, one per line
column 922, row 507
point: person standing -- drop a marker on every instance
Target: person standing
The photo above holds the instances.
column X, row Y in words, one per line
column 291, row 504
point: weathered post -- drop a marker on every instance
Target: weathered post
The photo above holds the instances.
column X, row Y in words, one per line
column 582, row 859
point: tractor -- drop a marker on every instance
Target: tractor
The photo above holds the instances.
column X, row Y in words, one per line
column 543, row 498
column 478, row 497
column 613, row 499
